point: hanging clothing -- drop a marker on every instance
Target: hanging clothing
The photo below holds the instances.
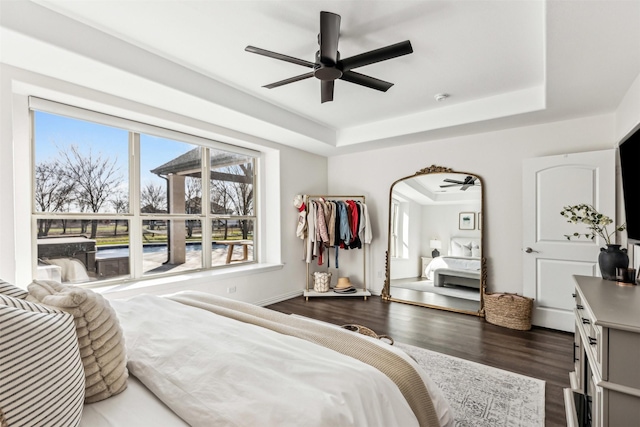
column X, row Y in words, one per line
column 311, row 231
column 345, row 229
column 301, row 227
column 321, row 224
column 365, row 226
column 330, row 207
column 354, row 225
column 341, row 224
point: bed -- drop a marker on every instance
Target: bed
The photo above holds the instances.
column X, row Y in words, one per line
column 462, row 267
column 200, row 360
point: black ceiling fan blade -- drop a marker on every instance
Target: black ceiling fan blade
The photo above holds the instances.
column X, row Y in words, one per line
column 449, row 185
column 368, row 81
column 289, row 80
column 279, row 56
column 377, row 55
column 464, row 187
column 328, row 37
column 326, row 87
column 454, row 181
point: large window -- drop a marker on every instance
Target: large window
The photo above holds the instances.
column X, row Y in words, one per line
column 116, row 199
column 399, row 239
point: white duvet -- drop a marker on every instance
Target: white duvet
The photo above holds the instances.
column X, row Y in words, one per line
column 453, row 262
column 215, row 371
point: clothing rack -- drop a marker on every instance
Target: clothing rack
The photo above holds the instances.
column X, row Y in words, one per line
column 361, row 291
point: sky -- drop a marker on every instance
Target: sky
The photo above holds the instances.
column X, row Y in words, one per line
column 54, row 133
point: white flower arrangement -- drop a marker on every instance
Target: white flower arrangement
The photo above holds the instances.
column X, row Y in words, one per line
column 595, row 221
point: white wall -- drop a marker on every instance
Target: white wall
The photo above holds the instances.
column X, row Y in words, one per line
column 285, row 172
column 496, row 157
column 628, row 112
column 441, row 221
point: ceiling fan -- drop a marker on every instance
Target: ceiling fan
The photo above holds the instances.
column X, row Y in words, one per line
column 469, row 181
column 328, row 67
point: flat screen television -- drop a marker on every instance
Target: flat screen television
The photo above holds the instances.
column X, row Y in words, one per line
column 629, row 151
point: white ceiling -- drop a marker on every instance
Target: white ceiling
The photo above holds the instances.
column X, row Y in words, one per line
column 428, row 190
column 503, row 63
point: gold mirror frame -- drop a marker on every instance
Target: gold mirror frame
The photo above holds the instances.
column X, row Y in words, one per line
column 386, row 290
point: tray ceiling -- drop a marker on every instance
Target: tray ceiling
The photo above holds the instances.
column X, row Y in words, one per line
column 503, row 63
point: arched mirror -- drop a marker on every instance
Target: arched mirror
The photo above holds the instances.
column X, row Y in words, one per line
column 435, row 250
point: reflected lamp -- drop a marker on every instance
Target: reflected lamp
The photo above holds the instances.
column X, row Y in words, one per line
column 435, row 244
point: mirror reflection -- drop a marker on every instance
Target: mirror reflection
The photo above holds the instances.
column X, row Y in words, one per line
column 435, row 241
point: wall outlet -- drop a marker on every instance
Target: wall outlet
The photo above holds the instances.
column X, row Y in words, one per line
column 231, row 289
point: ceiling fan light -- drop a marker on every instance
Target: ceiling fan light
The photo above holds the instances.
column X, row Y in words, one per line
column 328, row 66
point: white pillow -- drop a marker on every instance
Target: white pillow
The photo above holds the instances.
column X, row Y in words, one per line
column 475, row 250
column 460, row 249
column 99, row 335
column 456, row 249
column 42, row 381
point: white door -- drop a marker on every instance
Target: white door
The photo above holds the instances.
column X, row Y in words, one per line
column 549, row 259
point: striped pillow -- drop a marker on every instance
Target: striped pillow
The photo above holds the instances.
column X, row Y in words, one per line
column 41, row 373
column 12, row 291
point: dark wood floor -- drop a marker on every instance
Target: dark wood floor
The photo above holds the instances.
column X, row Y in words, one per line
column 539, row 353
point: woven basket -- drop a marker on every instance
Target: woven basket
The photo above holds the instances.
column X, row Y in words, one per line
column 321, row 281
column 368, row 332
column 509, row 310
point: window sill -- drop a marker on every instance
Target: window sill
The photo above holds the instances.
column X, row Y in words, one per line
column 168, row 284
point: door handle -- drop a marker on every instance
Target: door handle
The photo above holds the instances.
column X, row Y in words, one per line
column 529, row 250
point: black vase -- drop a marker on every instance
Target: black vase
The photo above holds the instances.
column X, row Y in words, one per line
column 611, row 258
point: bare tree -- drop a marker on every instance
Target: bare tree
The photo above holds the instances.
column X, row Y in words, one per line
column 120, row 203
column 193, row 200
column 193, row 194
column 220, row 202
column 233, row 194
column 94, row 178
column 153, row 199
column 52, row 192
column 241, row 194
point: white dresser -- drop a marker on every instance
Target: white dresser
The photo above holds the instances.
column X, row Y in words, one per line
column 605, row 385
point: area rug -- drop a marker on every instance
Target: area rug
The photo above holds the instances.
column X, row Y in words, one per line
column 481, row 395
column 427, row 286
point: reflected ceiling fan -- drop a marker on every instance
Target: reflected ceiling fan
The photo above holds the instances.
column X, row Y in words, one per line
column 328, row 66
column 469, row 181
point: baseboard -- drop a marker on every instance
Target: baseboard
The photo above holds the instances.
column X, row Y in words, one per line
column 294, row 294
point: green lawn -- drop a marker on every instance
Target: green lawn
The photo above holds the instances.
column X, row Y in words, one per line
column 105, row 234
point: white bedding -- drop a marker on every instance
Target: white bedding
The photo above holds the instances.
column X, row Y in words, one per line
column 134, row 407
column 231, row 373
column 452, row 262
